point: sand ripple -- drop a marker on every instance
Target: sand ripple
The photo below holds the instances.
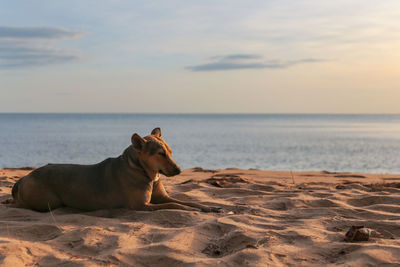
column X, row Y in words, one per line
column 268, row 219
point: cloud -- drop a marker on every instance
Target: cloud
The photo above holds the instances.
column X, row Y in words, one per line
column 33, row 46
column 14, row 55
column 236, row 56
column 247, row 61
column 226, row 66
column 36, row 33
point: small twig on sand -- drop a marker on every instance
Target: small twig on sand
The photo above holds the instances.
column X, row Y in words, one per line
column 291, row 174
column 54, row 219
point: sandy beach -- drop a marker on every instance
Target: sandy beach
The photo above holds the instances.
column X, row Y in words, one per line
column 269, row 218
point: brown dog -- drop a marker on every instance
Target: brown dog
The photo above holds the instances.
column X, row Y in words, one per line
column 130, row 180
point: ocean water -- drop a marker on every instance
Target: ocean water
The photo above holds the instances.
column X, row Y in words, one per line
column 359, row 143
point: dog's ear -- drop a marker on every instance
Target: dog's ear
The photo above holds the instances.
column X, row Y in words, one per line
column 156, row 132
column 137, row 141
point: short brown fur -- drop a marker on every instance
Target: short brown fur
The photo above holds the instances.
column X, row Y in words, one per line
column 130, row 181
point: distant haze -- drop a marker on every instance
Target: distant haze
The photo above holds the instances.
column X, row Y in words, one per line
column 231, row 56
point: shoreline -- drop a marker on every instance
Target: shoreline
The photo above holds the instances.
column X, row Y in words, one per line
column 269, row 218
column 272, row 173
column 200, row 169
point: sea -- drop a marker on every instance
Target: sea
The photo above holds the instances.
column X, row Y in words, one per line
column 342, row 143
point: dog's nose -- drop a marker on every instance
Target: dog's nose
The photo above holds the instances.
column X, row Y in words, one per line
column 177, row 170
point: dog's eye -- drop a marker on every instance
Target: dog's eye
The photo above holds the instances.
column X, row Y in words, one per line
column 162, row 154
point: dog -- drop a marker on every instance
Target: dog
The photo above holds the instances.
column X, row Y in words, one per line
column 131, row 180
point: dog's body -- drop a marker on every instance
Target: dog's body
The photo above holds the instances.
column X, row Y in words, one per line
column 130, row 180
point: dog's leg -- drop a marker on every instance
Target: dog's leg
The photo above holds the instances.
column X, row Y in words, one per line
column 151, row 206
column 30, row 192
column 142, row 201
column 159, row 196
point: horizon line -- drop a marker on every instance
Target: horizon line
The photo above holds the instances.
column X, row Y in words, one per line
column 192, row 113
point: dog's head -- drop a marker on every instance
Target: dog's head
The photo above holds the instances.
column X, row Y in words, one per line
column 155, row 154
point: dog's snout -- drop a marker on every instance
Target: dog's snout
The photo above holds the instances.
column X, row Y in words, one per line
column 177, row 170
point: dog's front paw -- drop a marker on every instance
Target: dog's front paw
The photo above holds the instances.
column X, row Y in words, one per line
column 211, row 209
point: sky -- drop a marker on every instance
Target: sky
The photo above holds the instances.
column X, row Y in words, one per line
column 228, row 56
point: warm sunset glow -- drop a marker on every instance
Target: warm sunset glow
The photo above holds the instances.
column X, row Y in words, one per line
column 213, row 56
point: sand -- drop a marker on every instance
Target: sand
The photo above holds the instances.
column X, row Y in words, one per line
column 269, row 218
